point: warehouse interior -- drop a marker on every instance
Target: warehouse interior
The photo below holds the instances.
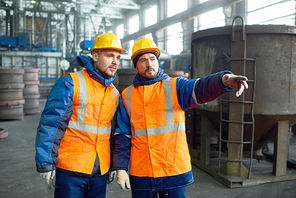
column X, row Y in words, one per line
column 240, row 147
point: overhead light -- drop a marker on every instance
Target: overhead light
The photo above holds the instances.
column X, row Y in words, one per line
column 33, row 2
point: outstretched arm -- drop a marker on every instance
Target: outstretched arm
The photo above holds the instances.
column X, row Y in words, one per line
column 199, row 91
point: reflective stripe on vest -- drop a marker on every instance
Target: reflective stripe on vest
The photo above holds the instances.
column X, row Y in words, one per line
column 89, row 128
column 169, row 127
column 159, row 144
column 79, row 125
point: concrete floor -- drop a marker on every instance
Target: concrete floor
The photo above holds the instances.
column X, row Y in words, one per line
column 19, row 179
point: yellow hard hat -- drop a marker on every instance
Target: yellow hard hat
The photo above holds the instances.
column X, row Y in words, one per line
column 107, row 41
column 144, row 45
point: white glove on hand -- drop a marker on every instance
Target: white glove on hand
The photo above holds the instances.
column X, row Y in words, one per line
column 111, row 176
column 236, row 82
column 48, row 175
column 123, row 180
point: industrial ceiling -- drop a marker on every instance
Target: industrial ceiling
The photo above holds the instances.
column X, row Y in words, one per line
column 107, row 9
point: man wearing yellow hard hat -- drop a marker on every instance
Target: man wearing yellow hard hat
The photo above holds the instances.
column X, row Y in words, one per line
column 73, row 134
column 150, row 138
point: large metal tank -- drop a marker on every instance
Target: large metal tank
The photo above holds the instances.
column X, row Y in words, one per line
column 271, row 51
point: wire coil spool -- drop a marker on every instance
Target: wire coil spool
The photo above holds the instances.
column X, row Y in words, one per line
column 31, row 91
column 11, row 94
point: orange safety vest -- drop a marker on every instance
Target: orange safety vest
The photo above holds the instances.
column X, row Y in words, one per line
column 89, row 128
column 159, row 145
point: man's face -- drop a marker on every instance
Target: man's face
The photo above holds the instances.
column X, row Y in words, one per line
column 107, row 61
column 147, row 66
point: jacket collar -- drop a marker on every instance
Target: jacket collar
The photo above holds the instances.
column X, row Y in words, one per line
column 140, row 81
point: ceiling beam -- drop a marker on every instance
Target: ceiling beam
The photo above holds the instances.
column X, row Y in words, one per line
column 5, row 8
column 59, row 1
column 132, row 7
column 183, row 16
column 110, row 16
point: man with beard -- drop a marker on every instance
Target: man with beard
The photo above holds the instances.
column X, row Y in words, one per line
column 74, row 130
column 150, row 139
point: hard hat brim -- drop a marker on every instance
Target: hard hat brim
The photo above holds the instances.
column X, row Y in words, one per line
column 145, row 50
column 109, row 48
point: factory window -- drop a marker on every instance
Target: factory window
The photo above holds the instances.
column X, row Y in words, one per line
column 133, row 24
column 271, row 12
column 207, row 20
column 119, row 31
column 176, row 6
column 175, row 39
column 151, row 16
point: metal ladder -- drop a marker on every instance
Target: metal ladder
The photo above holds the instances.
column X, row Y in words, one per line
column 243, row 102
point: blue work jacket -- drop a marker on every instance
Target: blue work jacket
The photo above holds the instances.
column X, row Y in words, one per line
column 205, row 89
column 56, row 115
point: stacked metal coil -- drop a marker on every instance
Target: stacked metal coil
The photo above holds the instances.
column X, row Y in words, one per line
column 31, row 91
column 11, row 94
column 3, row 133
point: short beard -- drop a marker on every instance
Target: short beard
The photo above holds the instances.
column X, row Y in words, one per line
column 96, row 68
column 154, row 76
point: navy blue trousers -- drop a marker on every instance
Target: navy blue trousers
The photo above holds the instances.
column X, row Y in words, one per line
column 173, row 193
column 69, row 185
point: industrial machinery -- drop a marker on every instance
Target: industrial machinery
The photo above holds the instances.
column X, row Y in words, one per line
column 24, row 41
column 245, row 126
column 181, row 62
column 10, row 41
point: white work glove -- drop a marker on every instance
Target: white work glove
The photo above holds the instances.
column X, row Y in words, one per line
column 236, row 82
column 123, row 180
column 111, row 176
column 48, row 175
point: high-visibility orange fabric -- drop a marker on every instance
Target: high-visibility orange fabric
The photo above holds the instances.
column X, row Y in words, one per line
column 159, row 155
column 78, row 149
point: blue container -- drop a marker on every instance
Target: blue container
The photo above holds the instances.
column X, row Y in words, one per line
column 8, row 41
column 22, row 40
column 86, row 44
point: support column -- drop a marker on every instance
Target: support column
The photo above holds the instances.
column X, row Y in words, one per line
column 187, row 31
column 18, row 16
column 205, row 130
column 281, row 148
column 233, row 10
column 161, row 15
column 7, row 22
